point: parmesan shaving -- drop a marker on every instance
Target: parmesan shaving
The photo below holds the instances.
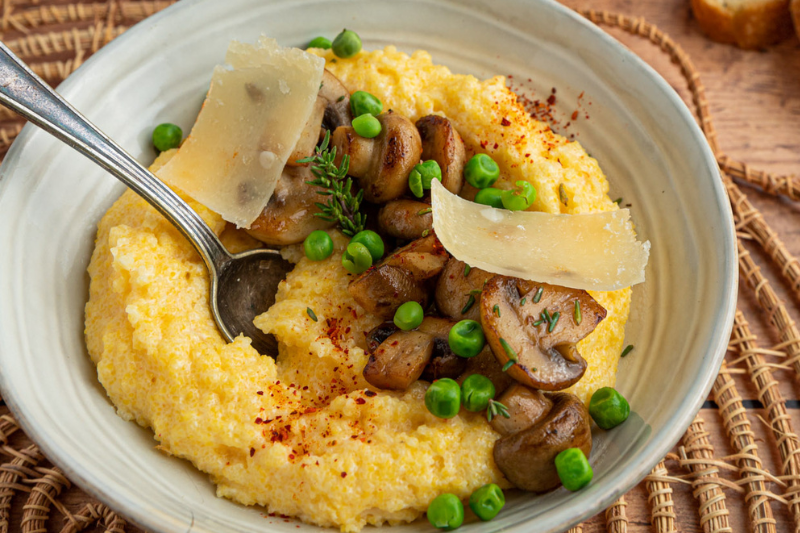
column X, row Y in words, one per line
column 255, row 111
column 597, row 251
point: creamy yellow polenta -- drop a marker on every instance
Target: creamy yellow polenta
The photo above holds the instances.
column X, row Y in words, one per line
column 303, row 435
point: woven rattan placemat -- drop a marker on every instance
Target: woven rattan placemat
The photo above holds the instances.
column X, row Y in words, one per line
column 737, row 468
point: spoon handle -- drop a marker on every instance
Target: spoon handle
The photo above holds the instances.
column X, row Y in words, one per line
column 26, row 93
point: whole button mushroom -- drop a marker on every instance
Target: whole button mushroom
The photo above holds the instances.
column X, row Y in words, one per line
column 525, row 408
column 540, row 325
column 527, row 457
column 381, row 164
column 288, row 217
column 442, row 143
column 405, row 219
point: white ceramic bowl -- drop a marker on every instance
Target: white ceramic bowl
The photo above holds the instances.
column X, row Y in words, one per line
column 646, row 140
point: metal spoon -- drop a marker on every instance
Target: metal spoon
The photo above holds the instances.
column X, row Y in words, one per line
column 242, row 285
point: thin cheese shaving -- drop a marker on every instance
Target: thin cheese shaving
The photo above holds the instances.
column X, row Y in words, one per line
column 597, row 251
column 252, row 118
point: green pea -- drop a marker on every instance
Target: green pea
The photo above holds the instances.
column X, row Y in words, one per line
column 481, row 171
column 443, row 398
column 346, row 44
column 372, row 241
column 318, row 245
column 415, row 183
column 476, row 391
column 446, row 512
column 490, row 196
column 609, row 408
column 487, row 501
column 521, row 198
column 466, row 338
column 573, row 469
column 167, row 136
column 362, row 102
column 428, row 171
column 367, row 126
column 320, row 42
column 409, row 316
column 356, row 258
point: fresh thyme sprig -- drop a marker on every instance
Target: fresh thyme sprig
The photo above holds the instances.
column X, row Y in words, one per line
column 342, row 207
column 496, row 408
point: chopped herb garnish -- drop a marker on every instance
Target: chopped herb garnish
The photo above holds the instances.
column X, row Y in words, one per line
column 475, row 292
column 538, row 295
column 311, row 314
column 627, row 350
column 553, row 322
column 424, row 211
column 545, row 315
column 522, row 302
column 618, row 200
column 496, row 310
column 562, row 194
column 512, row 355
column 342, row 206
column 468, row 305
column 538, row 322
column 340, row 98
column 508, row 365
column 578, row 317
column 467, row 268
column 496, row 408
column 426, row 232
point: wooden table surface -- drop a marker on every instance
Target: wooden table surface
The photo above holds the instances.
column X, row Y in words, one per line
column 755, row 102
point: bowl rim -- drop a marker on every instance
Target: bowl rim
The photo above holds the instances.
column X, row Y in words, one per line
column 621, row 480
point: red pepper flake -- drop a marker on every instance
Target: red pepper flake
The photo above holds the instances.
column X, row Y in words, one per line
column 260, row 392
column 291, row 456
column 505, row 122
column 259, row 420
column 361, row 401
column 370, row 393
column 344, row 474
column 252, row 452
column 496, row 145
column 575, row 114
column 551, row 100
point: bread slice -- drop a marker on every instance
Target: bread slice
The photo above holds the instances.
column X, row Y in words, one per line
column 746, row 23
column 795, row 8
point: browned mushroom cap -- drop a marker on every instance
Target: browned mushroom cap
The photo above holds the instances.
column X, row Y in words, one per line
column 525, row 408
column 399, row 360
column 485, row 363
column 442, row 143
column 400, row 278
column 453, row 290
column 527, row 458
column 444, row 363
column 337, row 102
column 547, row 352
column 289, row 217
column 405, row 219
column 309, row 136
column 382, row 164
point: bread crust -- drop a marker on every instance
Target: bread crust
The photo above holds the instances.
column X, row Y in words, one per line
column 752, row 25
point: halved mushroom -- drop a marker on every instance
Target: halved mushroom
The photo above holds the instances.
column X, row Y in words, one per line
column 542, row 327
column 454, row 288
column 525, row 407
column 337, row 100
column 381, row 164
column 527, row 458
column 289, row 217
column 309, row 136
column 442, row 143
column 405, row 219
column 444, row 363
column 402, row 277
column 399, row 360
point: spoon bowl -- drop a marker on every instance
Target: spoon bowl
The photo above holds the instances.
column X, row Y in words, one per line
column 242, row 286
